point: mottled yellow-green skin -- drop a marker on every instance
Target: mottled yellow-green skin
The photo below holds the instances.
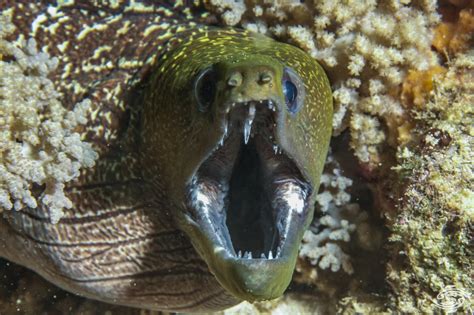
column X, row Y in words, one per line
column 177, row 137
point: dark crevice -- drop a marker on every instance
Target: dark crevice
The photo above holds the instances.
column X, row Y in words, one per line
column 249, row 215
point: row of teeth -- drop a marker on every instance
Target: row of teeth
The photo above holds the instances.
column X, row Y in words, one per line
column 249, row 120
column 248, row 123
column 248, row 255
column 270, row 104
column 251, row 116
column 276, row 148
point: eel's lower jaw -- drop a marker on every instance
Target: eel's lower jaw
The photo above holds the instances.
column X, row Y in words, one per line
column 248, row 205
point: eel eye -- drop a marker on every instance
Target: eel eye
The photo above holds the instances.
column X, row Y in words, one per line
column 293, row 89
column 205, row 88
column 289, row 89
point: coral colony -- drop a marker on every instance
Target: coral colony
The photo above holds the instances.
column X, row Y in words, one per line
column 38, row 144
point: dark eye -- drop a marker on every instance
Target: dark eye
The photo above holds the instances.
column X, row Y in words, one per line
column 293, row 90
column 205, row 89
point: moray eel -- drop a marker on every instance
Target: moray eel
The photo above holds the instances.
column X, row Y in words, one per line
column 212, row 142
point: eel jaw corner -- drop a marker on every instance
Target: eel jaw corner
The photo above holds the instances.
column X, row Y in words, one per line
column 247, row 205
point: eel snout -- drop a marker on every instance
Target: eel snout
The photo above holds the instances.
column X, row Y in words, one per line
column 248, row 202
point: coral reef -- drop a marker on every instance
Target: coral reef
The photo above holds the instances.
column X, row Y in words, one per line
column 38, row 145
column 433, row 229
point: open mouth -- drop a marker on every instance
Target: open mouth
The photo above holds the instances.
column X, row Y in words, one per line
column 249, row 194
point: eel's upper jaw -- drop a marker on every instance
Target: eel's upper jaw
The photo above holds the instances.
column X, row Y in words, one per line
column 248, row 204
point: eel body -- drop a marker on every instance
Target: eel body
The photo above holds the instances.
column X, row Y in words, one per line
column 211, row 145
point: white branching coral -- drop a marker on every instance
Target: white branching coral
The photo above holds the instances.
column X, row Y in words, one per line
column 366, row 47
column 230, row 10
column 38, row 145
column 321, row 243
column 320, row 251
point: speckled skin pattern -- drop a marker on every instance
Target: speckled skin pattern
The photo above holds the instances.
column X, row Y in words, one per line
column 120, row 243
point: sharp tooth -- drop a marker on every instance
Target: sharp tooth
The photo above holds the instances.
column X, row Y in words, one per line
column 270, row 255
column 239, row 255
column 248, row 122
column 247, row 130
column 252, row 111
column 250, row 255
column 246, row 255
column 262, row 255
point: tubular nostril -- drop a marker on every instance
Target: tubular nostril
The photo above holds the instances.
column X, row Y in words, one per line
column 265, row 77
column 235, row 79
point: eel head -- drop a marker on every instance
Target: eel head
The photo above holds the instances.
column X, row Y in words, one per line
column 260, row 122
